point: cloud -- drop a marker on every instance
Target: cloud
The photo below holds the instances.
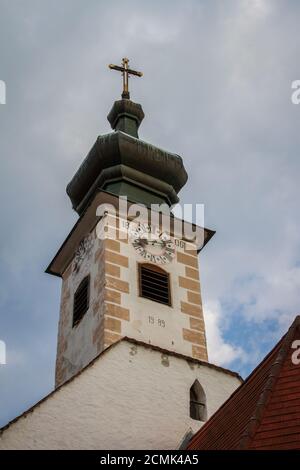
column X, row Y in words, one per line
column 220, row 352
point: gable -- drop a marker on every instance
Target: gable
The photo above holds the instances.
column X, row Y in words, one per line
column 131, row 396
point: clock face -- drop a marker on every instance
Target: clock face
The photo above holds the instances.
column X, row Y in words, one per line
column 152, row 245
column 83, row 251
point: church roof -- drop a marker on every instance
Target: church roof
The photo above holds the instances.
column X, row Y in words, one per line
column 107, row 350
column 264, row 412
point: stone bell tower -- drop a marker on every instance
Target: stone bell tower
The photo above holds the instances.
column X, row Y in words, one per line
column 120, row 276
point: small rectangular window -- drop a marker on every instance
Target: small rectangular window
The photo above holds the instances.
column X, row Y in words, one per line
column 154, row 283
column 81, row 300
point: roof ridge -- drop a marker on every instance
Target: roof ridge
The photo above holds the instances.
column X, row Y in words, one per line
column 244, row 384
column 94, row 360
column 265, row 395
column 250, row 377
column 182, row 356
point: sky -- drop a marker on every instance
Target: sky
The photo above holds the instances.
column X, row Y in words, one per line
column 216, row 90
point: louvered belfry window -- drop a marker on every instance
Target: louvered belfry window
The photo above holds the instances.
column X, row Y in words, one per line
column 81, row 300
column 154, row 283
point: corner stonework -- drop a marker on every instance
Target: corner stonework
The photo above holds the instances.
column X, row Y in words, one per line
column 102, row 323
column 191, row 304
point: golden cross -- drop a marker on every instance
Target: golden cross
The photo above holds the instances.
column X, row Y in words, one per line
column 125, row 72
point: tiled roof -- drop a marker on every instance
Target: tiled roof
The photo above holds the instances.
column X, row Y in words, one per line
column 264, row 412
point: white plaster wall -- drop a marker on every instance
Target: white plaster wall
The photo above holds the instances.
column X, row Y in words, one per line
column 174, row 320
column 150, row 322
column 80, row 348
column 132, row 397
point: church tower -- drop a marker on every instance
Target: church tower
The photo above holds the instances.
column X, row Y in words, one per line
column 128, row 271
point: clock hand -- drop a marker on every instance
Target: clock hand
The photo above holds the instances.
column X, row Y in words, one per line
column 155, row 242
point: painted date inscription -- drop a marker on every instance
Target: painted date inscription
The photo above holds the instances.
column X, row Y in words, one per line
column 156, row 321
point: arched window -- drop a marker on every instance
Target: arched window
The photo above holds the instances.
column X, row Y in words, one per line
column 197, row 402
column 154, row 283
column 81, row 300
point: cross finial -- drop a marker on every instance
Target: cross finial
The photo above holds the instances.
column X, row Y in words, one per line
column 126, row 71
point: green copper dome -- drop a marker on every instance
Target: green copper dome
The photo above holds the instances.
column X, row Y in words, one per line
column 123, row 164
